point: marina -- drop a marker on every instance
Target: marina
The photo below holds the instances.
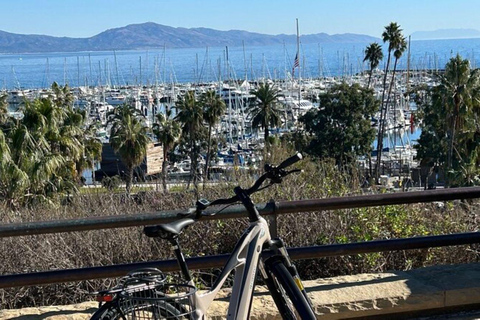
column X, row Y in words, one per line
column 154, row 81
column 242, row 145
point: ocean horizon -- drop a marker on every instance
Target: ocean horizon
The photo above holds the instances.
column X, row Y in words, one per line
column 212, row 64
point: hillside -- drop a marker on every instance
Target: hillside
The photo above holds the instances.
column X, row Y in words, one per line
column 151, row 35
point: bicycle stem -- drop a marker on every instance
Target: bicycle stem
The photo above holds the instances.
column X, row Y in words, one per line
column 252, row 211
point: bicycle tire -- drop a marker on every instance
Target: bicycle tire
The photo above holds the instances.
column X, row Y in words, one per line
column 284, row 284
column 111, row 311
column 108, row 311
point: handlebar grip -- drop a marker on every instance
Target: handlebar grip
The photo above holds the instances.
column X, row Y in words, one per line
column 288, row 162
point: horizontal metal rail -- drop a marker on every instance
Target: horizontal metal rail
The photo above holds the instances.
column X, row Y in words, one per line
column 57, row 276
column 271, row 208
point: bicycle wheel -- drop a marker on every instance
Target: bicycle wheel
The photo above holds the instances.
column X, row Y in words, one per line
column 290, row 301
column 108, row 311
column 111, row 311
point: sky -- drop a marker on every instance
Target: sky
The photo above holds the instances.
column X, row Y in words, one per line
column 86, row 18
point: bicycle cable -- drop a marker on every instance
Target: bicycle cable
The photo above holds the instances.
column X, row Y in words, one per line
column 214, row 213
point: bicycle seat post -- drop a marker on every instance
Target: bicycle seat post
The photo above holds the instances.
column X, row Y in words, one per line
column 182, row 263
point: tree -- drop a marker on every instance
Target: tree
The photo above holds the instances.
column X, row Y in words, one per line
column 373, row 54
column 190, row 114
column 48, row 148
column 12, row 179
column 214, row 108
column 167, row 131
column 399, row 50
column 341, row 129
column 42, row 150
column 3, row 109
column 62, row 95
column 92, row 149
column 451, row 132
column 265, row 113
column 392, row 35
column 460, row 87
column 129, row 138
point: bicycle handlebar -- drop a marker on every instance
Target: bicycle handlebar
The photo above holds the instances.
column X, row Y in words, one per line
column 292, row 160
column 273, row 173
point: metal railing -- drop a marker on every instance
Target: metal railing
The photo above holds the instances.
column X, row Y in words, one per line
column 270, row 208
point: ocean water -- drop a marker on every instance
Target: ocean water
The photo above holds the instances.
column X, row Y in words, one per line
column 167, row 65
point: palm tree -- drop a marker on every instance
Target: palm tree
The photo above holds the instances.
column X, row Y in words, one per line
column 92, row 150
column 3, row 109
column 190, row 115
column 62, row 96
column 41, row 151
column 5, row 164
column 450, row 127
column 167, row 131
column 14, row 183
column 62, row 128
column 265, row 113
column 399, row 50
column 460, row 90
column 128, row 138
column 43, row 116
column 214, row 108
column 392, row 35
column 39, row 167
column 374, row 54
column 70, row 140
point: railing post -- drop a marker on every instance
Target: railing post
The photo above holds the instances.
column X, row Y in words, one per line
column 273, row 219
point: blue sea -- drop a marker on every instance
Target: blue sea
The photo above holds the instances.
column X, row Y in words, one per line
column 166, row 65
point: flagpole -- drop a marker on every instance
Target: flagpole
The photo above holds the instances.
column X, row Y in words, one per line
column 299, row 68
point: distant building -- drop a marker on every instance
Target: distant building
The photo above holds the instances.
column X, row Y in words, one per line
column 112, row 165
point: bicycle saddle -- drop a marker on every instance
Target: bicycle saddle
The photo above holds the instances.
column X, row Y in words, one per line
column 164, row 230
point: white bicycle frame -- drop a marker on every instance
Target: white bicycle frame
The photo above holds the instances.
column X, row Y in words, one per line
column 244, row 260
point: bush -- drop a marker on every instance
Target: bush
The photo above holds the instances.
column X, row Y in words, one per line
column 111, row 183
column 319, row 180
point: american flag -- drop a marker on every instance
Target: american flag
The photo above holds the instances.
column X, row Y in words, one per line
column 296, row 63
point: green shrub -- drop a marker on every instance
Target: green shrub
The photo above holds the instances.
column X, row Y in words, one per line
column 111, row 183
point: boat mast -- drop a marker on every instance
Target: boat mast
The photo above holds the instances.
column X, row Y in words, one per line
column 65, row 71
column 245, row 60
column 99, row 73
column 140, row 62
column 243, row 101
column 90, row 65
column 164, row 80
column 227, row 64
column 408, row 65
column 116, row 67
column 78, row 71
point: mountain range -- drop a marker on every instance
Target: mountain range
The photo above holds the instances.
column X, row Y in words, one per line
column 151, row 35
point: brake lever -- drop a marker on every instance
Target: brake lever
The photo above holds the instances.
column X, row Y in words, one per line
column 277, row 175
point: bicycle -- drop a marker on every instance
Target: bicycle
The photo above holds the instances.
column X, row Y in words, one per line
column 142, row 295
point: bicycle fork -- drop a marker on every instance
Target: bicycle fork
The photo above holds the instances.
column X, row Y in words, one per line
column 278, row 254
